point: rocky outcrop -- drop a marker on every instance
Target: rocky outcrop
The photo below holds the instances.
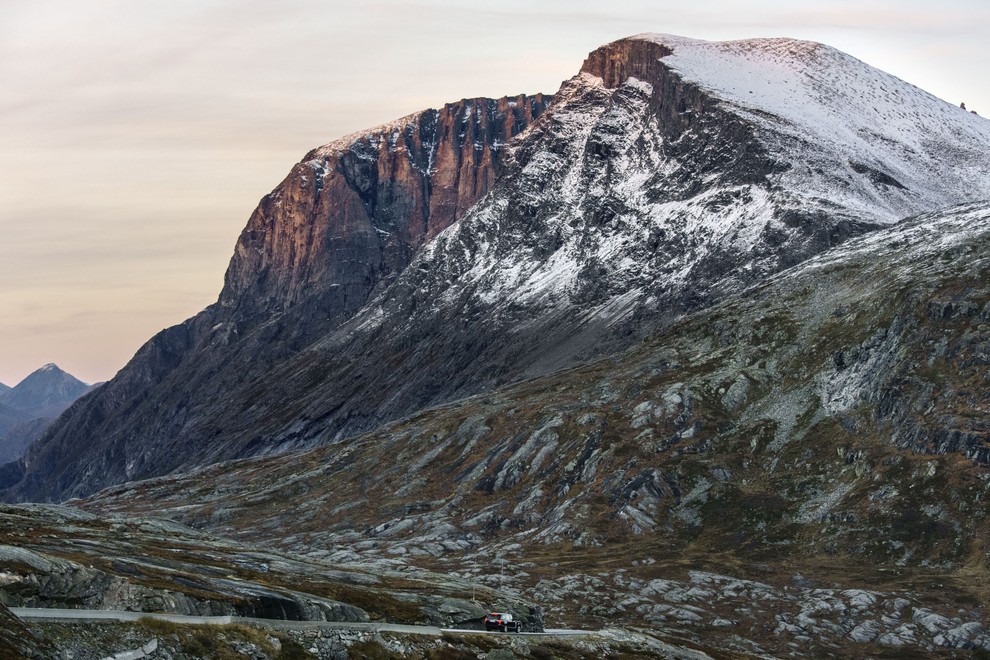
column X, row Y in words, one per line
column 61, row 557
column 34, row 579
column 16, row 641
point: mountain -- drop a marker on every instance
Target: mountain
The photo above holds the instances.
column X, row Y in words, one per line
column 4, row 388
column 433, row 258
column 45, row 392
column 800, row 469
column 27, row 409
column 345, row 220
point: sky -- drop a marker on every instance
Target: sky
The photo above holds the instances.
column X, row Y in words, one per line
column 136, row 136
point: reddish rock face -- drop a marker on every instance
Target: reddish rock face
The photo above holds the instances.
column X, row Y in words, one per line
column 677, row 103
column 353, row 213
column 616, row 62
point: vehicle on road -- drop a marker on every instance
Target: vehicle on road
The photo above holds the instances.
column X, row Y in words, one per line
column 503, row 622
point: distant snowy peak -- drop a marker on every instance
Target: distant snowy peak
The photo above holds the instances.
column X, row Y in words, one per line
column 45, row 392
column 855, row 138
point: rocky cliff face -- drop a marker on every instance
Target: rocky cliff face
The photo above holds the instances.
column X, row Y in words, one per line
column 352, row 214
column 666, row 175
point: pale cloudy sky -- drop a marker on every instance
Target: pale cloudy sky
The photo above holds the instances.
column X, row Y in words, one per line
column 136, row 136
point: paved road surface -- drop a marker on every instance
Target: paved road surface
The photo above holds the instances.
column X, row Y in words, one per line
column 96, row 616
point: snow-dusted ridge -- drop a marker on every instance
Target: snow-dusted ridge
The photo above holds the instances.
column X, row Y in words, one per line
column 840, row 114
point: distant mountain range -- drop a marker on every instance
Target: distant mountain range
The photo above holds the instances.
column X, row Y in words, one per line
column 28, row 408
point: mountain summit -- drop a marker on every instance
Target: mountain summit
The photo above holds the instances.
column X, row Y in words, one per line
column 851, row 135
column 460, row 249
column 45, row 392
column 28, row 408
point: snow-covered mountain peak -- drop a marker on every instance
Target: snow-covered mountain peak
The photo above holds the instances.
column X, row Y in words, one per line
column 803, row 82
column 670, row 163
column 812, row 85
column 860, row 139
